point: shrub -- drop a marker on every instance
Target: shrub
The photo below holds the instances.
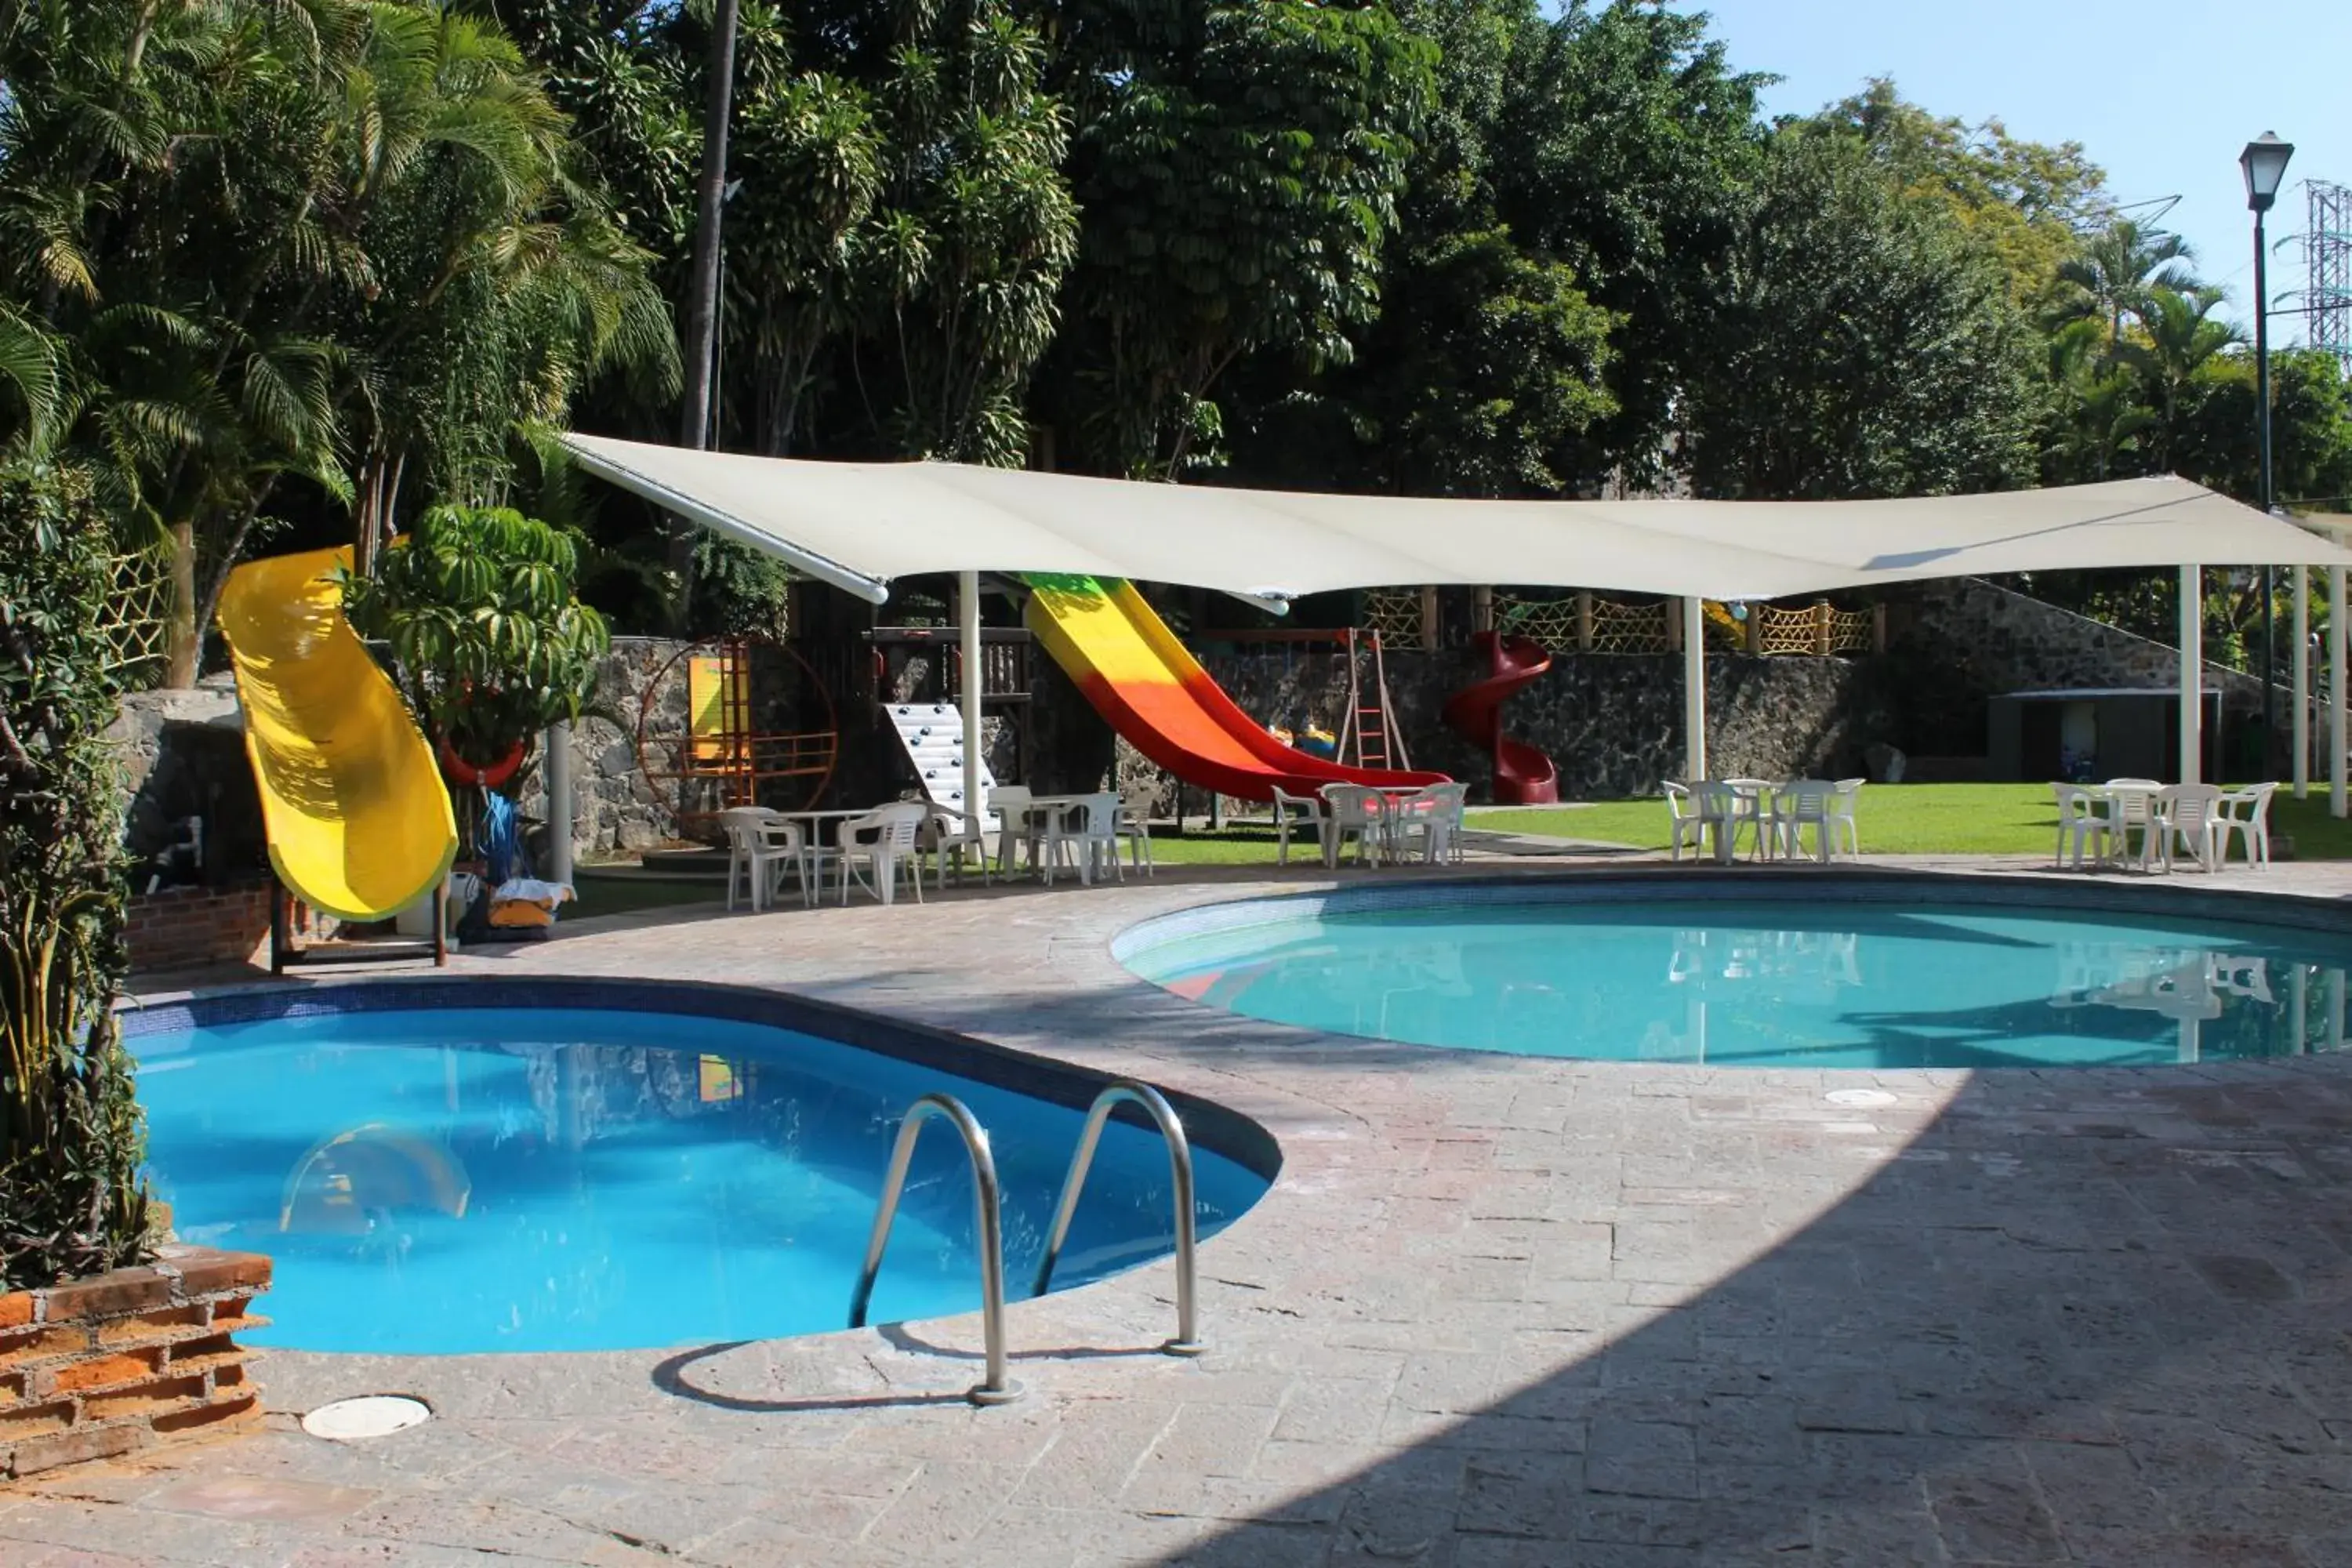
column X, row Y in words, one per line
column 71, row 1201
column 481, row 610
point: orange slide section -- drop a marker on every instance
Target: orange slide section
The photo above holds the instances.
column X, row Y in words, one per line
column 1154, row 692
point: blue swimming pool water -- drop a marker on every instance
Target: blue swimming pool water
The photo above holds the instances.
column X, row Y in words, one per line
column 453, row 1180
column 1765, row 983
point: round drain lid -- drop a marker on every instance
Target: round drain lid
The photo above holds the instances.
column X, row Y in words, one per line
column 1859, row 1097
column 369, row 1416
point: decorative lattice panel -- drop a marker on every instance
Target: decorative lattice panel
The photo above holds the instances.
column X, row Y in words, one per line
column 1786, row 631
column 1395, row 613
column 1853, row 631
column 139, row 619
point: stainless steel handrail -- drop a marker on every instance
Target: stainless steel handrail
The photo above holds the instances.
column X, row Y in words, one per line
column 995, row 1388
column 1180, row 1163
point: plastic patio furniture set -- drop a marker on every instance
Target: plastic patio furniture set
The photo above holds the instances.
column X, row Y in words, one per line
column 2140, row 821
column 886, row 848
column 1386, row 827
column 1713, row 813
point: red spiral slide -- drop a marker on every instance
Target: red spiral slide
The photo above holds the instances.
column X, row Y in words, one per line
column 1523, row 774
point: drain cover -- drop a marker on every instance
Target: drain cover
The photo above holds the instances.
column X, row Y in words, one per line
column 369, row 1416
column 1859, row 1097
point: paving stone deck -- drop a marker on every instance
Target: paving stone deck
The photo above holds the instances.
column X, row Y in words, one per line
column 1497, row 1314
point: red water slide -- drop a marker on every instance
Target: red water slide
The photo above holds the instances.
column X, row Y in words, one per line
column 1523, row 774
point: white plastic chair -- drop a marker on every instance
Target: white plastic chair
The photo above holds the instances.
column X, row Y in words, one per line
column 1293, row 813
column 2132, row 806
column 1135, row 827
column 1014, row 827
column 2185, row 817
column 954, row 834
column 1087, row 831
column 1799, row 804
column 2246, row 813
column 2080, row 822
column 883, row 841
column 1684, row 817
column 1841, row 815
column 1357, row 811
column 1435, row 814
column 760, row 846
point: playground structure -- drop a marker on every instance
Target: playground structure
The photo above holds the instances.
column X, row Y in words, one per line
column 720, row 758
column 357, row 818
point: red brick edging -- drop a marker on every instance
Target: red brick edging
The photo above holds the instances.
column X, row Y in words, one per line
column 115, row 1362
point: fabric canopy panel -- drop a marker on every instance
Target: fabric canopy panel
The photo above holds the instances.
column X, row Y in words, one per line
column 859, row 525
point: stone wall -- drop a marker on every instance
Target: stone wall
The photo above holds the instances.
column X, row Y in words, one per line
column 100, row 1367
column 1613, row 724
column 183, row 755
column 1956, row 643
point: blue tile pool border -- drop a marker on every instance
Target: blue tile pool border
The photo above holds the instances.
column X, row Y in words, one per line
column 1209, row 1125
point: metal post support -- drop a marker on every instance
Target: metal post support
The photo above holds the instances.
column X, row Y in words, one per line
column 1694, row 689
column 1179, row 1169
column 2193, row 653
column 968, row 622
column 560, row 814
column 2336, row 691
column 2302, row 682
column 994, row 1388
column 2263, row 425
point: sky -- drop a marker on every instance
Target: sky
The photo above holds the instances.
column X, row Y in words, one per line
column 2164, row 94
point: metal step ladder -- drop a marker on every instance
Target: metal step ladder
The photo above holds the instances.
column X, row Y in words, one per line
column 995, row 1387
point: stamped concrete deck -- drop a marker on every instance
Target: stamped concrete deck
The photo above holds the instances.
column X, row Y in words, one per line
column 1496, row 1313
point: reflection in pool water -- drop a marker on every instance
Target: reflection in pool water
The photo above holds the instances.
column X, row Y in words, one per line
column 457, row 1178
column 1772, row 983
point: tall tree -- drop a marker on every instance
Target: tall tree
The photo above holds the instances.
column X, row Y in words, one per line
column 1865, row 349
column 1237, row 166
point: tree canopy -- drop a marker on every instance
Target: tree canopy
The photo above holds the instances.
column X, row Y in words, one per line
column 318, row 266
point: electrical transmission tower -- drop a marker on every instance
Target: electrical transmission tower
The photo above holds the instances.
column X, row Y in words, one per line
column 2328, row 248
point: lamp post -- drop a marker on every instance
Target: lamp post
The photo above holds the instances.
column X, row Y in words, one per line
column 2264, row 162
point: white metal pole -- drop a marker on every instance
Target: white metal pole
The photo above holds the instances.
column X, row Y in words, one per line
column 1694, row 689
column 968, row 618
column 2301, row 681
column 2192, row 652
column 559, row 811
column 2336, row 691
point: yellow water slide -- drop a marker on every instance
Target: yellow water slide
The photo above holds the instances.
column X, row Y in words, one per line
column 358, row 821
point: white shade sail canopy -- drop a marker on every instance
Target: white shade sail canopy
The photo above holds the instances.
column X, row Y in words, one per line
column 858, row 525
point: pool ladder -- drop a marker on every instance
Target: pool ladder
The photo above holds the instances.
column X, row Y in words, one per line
column 995, row 1387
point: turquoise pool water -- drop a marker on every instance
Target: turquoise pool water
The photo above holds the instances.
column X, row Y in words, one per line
column 459, row 1179
column 1766, row 985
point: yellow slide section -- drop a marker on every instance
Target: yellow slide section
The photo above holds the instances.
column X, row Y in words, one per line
column 359, row 820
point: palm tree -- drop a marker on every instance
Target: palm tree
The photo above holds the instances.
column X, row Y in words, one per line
column 2113, row 276
column 2175, row 338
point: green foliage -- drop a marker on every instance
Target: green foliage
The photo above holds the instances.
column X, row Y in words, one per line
column 72, row 1201
column 479, row 609
column 1864, row 347
column 1237, row 166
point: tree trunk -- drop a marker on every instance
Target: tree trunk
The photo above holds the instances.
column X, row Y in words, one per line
column 184, row 641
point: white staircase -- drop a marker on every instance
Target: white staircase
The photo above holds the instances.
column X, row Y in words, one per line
column 932, row 733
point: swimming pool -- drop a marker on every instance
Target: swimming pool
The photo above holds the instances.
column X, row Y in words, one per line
column 1763, row 973
column 462, row 1167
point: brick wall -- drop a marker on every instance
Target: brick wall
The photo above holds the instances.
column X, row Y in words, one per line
column 120, row 1361
column 188, row 928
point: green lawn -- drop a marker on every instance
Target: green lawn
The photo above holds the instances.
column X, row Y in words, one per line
column 1915, row 820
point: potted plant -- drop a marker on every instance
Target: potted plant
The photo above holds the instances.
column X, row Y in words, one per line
column 87, row 1328
column 480, row 608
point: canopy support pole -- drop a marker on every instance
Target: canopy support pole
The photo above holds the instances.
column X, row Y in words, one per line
column 2336, row 691
column 1694, row 689
column 2192, row 704
column 968, row 622
column 2301, row 681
